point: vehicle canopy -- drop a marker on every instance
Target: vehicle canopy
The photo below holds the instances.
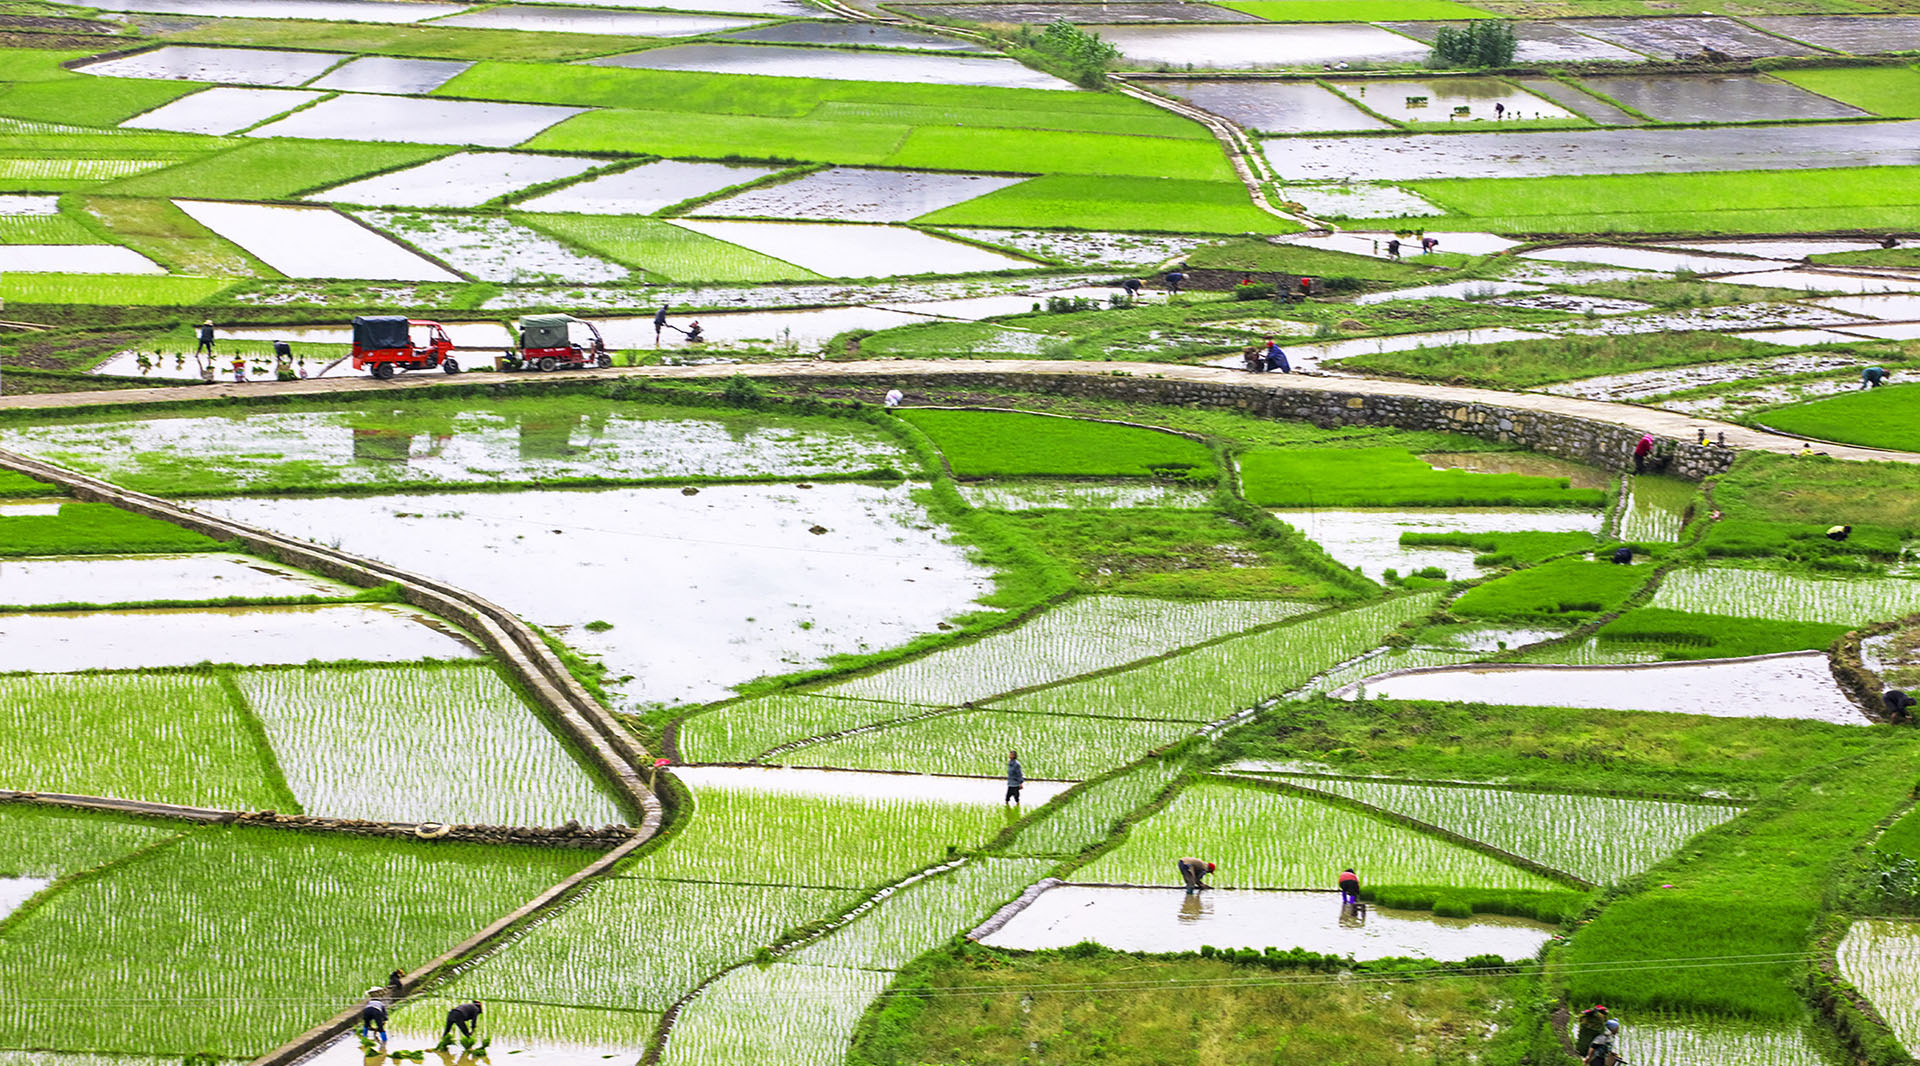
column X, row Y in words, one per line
column 547, row 331
column 381, row 331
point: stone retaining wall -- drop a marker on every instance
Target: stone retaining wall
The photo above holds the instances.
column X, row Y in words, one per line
column 1581, row 440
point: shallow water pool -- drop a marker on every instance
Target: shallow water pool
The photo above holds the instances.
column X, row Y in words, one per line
column 54, row 642
column 121, row 578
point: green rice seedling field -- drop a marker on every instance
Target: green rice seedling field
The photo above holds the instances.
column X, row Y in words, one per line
column 1357, row 10
column 664, row 250
column 784, row 1012
column 162, row 232
column 1879, row 956
column 749, row 728
column 439, row 743
column 52, row 843
column 920, row 916
column 151, row 935
column 1890, row 91
column 1778, row 594
column 1266, row 839
column 44, row 229
column 1528, row 363
column 1680, row 635
column 1602, row 839
column 12, row 484
column 131, row 290
column 1091, row 815
column 1081, row 201
column 1571, row 588
column 95, row 529
column 521, row 1028
column 1876, row 418
column 274, row 169
column 1167, row 552
column 1656, row 508
column 642, row 942
column 177, row 738
column 1391, row 477
column 1052, row 746
column 980, row 444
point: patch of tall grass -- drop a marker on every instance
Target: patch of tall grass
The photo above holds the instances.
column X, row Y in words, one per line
column 1391, row 477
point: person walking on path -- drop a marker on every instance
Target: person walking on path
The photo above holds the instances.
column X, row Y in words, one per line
column 1593, row 1021
column 1641, row 451
column 1016, row 777
column 206, row 338
column 1349, row 887
column 463, row 1018
column 1194, row 873
column 373, row 1019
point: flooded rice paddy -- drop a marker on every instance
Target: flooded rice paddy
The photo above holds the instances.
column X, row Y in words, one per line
column 1563, row 153
column 1811, row 281
column 1537, row 41
column 491, row 248
column 869, row 35
column 795, row 331
column 1859, row 34
column 1656, row 509
column 1644, row 384
column 581, row 20
column 1797, row 685
column 234, row 66
column 75, row 259
column 1890, row 307
column 1370, row 539
column 375, row 11
column 1359, row 201
column 1029, row 494
column 17, row 890
column 1090, row 249
column 698, row 593
column 776, row 60
column 312, row 242
column 1309, row 356
column 392, row 74
column 847, row 784
column 1044, row 13
column 117, row 578
column 1653, row 1040
column 1170, row 919
column 1881, row 958
column 1253, row 47
column 1272, row 106
column 56, row 642
column 857, row 194
column 1745, row 593
column 1638, row 258
column 846, row 251
column 1446, row 99
column 220, row 110
column 1474, row 289
column 464, row 179
column 1684, row 38
column 418, row 120
column 1718, row 98
column 647, row 188
column 1580, row 103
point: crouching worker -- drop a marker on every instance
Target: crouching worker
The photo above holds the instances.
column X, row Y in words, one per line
column 1899, row 704
column 373, row 1018
column 1349, row 887
column 1194, row 872
column 463, row 1018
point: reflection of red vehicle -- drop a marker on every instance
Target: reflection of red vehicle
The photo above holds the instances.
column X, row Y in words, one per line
column 551, row 342
column 387, row 343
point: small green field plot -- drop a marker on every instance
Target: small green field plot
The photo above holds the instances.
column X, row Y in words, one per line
column 1739, row 896
column 1680, row 635
column 665, row 250
column 1775, row 594
column 1555, row 747
column 1391, row 477
column 922, row 916
column 1089, row 817
column 422, row 40
column 126, row 290
column 175, row 738
column 96, row 529
column 162, row 232
column 1892, row 257
column 1741, row 201
column 1265, row 839
column 1063, row 152
column 717, row 136
column 86, row 100
column 48, row 843
column 1602, row 839
column 275, row 169
column 1815, row 491
column 1527, row 363
column 1572, row 588
column 13, row 484
column 1519, row 548
column 1252, row 254
column 440, row 743
column 787, row 1013
column 1051, row 746
column 981, row 444
column 1080, row 636
column 1165, row 552
column 1890, row 91
column 1876, row 418
column 531, row 1032
column 1128, row 204
column 147, row 935
column 841, row 842
column 637, row 941
column 1357, row 10
column 1218, row 680
column 45, row 229
column 1880, row 957
column 744, row 730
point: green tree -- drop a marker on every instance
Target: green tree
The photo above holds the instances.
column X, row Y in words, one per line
column 1477, row 44
column 1086, row 56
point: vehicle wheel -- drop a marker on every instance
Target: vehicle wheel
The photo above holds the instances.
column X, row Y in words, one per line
column 383, row 371
column 451, row 366
column 604, row 362
column 548, row 362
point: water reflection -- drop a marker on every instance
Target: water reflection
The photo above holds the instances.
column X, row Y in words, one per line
column 1195, row 906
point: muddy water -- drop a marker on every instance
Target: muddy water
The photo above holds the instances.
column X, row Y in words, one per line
column 124, row 578
column 220, row 110
column 1578, row 102
column 1483, row 638
column 1452, row 290
column 1859, row 34
column 1374, row 243
column 1578, row 475
column 1718, row 98
column 1273, row 106
column 1359, row 201
column 1539, row 42
column 1370, row 540
column 700, row 592
column 1555, row 154
column 645, row 189
column 800, row 331
column 1650, row 258
column 847, row 33
column 378, row 11
column 1262, row 46
column 848, row 784
column 1821, row 281
column 17, row 890
column 1671, row 38
column 419, row 121
column 1781, row 686
column 1168, row 919
column 1573, row 304
column 835, row 250
column 464, row 179
column 1891, row 331
column 857, row 194
column 1438, row 99
column 1721, row 319
column 784, row 61
column 65, row 641
column 973, row 309
column 390, row 74
column 237, row 66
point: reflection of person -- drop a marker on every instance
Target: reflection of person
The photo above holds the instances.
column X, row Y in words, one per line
column 1349, row 886
column 1194, row 873
column 462, row 1018
column 1191, row 909
column 1016, row 777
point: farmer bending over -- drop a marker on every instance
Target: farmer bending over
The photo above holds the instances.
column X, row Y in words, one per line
column 373, row 1018
column 1899, row 704
column 1349, row 887
column 1194, row 872
column 462, row 1018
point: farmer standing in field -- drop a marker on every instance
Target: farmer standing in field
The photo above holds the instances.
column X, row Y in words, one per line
column 1194, row 872
column 1593, row 1021
column 1641, row 451
column 206, row 338
column 1016, row 777
column 659, row 323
